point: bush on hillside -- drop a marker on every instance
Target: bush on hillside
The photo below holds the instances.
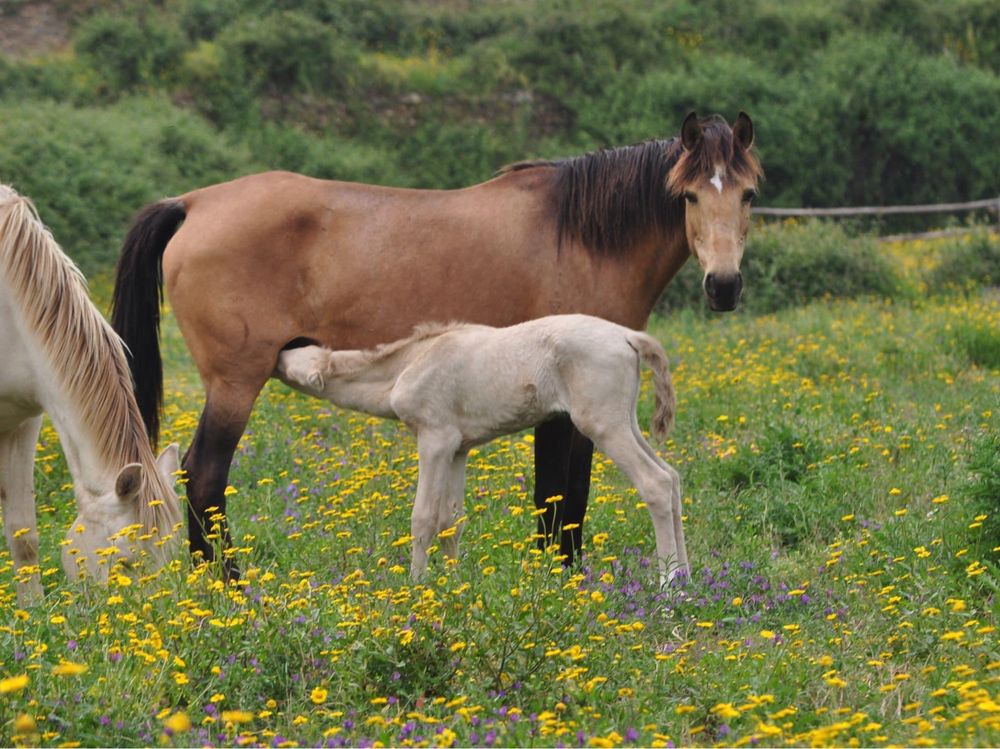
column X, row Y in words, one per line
column 884, row 124
column 261, row 69
column 573, row 55
column 970, row 260
column 128, row 52
column 288, row 52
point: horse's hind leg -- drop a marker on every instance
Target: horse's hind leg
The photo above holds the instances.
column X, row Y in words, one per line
column 682, row 557
column 658, row 485
column 17, row 456
column 563, row 458
column 450, row 510
column 207, row 463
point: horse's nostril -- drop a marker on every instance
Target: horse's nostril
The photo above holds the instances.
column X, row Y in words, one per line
column 710, row 284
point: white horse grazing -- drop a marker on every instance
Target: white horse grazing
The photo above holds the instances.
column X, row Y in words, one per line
column 459, row 385
column 60, row 356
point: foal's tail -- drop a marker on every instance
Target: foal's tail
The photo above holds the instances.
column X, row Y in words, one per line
column 135, row 313
column 652, row 354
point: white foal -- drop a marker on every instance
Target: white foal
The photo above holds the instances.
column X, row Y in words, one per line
column 61, row 357
column 459, row 385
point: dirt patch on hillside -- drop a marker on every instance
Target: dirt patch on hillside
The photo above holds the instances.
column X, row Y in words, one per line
column 31, row 28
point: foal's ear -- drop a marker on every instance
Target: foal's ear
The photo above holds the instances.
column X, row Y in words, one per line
column 690, row 131
column 315, row 380
column 743, row 130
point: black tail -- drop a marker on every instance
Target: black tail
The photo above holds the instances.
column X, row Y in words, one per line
column 135, row 306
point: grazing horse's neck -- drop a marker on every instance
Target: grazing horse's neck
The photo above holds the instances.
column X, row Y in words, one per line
column 89, row 469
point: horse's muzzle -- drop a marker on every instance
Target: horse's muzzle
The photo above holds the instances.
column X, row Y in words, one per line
column 723, row 291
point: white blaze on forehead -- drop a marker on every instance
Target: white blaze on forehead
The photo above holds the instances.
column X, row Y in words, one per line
column 716, row 180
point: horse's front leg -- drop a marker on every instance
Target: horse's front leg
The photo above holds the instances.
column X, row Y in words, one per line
column 450, row 510
column 17, row 456
column 436, row 451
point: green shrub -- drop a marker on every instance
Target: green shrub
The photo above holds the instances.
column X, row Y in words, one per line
column 453, row 155
column 127, row 52
column 879, row 127
column 976, row 341
column 271, row 68
column 576, row 53
column 971, row 260
column 790, row 265
column 982, row 495
column 289, row 51
column 50, row 78
column 204, row 19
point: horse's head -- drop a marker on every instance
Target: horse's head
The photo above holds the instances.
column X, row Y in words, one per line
column 109, row 527
column 716, row 175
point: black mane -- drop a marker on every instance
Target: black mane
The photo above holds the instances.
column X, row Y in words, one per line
column 608, row 199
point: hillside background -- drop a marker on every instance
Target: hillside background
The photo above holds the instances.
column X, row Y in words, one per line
column 107, row 104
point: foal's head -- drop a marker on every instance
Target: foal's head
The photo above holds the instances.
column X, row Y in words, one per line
column 717, row 175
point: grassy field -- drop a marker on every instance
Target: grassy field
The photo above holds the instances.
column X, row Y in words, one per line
column 841, row 468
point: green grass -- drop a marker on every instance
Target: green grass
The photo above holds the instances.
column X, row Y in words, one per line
column 837, row 468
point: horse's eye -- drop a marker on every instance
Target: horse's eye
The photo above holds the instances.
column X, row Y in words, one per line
column 690, row 197
column 749, row 195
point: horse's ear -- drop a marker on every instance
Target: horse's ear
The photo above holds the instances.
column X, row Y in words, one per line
column 690, row 131
column 743, row 130
column 129, row 482
column 169, row 463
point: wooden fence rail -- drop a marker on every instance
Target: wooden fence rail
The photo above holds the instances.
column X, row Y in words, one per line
column 992, row 204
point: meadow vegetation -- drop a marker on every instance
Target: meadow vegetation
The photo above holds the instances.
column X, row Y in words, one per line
column 837, row 436
column 840, row 470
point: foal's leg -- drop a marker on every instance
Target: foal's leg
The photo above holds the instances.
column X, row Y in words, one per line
column 207, row 462
column 656, row 485
column 450, row 509
column 682, row 557
column 17, row 465
column 563, row 458
column 436, row 450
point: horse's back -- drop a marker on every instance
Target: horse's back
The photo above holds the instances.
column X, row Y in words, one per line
column 272, row 257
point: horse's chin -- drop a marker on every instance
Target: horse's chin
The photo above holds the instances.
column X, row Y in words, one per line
column 722, row 306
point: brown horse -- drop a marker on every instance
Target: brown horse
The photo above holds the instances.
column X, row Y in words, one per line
column 277, row 260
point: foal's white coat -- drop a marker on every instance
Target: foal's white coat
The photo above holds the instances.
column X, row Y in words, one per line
column 58, row 355
column 458, row 386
